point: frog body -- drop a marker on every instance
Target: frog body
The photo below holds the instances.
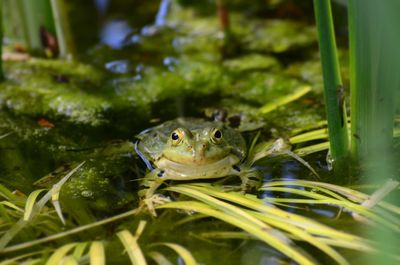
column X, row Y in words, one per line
column 188, row 149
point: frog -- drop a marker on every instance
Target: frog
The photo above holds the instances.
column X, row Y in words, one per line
column 194, row 149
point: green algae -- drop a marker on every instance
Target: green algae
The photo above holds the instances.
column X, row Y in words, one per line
column 279, row 36
column 252, row 62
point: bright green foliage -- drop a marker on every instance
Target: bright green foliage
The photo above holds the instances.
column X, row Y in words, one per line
column 375, row 86
column 334, row 91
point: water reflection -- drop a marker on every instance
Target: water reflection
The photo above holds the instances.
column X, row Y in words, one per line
column 162, row 13
column 115, row 32
column 118, row 67
column 291, row 170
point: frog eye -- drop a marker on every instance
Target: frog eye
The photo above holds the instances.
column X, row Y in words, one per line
column 216, row 136
column 177, row 136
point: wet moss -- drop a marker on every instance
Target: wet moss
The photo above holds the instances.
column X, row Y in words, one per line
column 261, row 88
column 278, row 36
column 252, row 62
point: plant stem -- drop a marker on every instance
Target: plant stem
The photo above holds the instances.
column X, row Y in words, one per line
column 64, row 36
column 374, row 65
column 223, row 15
column 34, row 15
column 375, row 85
column 334, row 94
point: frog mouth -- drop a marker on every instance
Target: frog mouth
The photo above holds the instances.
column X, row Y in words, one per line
column 179, row 171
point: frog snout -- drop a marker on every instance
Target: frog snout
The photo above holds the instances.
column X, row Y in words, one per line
column 200, row 150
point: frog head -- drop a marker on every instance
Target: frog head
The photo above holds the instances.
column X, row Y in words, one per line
column 198, row 146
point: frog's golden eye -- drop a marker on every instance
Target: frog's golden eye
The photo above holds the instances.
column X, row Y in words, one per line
column 177, row 136
column 216, row 136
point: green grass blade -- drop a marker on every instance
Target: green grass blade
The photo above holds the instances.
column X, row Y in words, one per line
column 182, row 252
column 353, row 207
column 9, row 235
column 19, row 259
column 301, row 91
column 79, row 250
column 303, row 235
column 69, row 232
column 69, row 260
column 5, row 135
column 7, row 194
column 351, row 194
column 30, row 203
column 253, row 203
column 60, row 253
column 309, row 136
column 12, row 206
column 312, row 149
column 159, row 258
column 97, row 253
column 270, row 236
column 132, row 247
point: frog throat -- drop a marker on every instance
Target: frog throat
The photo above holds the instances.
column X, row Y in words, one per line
column 179, row 171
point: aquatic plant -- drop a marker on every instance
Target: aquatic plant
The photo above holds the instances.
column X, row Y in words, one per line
column 260, row 218
column 374, row 91
column 333, row 87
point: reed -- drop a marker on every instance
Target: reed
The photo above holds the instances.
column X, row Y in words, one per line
column 34, row 15
column 333, row 87
column 64, row 35
column 374, row 63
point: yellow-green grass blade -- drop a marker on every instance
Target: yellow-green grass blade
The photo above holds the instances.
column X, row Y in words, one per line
column 5, row 135
column 309, row 136
column 351, row 194
column 182, row 252
column 19, row 259
column 79, row 250
column 303, row 235
column 12, row 206
column 9, row 235
column 328, row 200
column 251, row 202
column 60, row 253
column 265, row 233
column 332, row 242
column 132, row 247
column 7, row 194
column 76, row 230
column 304, row 129
column 301, row 91
column 303, row 151
column 34, row 262
column 97, row 253
column 220, row 205
column 300, row 183
column 30, row 202
column 226, row 235
column 158, row 258
column 68, row 260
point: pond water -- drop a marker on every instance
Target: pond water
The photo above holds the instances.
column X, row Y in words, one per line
column 141, row 63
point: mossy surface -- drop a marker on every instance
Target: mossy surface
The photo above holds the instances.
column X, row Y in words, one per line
column 63, row 112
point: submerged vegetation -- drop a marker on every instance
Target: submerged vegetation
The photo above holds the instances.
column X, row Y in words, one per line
column 69, row 172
